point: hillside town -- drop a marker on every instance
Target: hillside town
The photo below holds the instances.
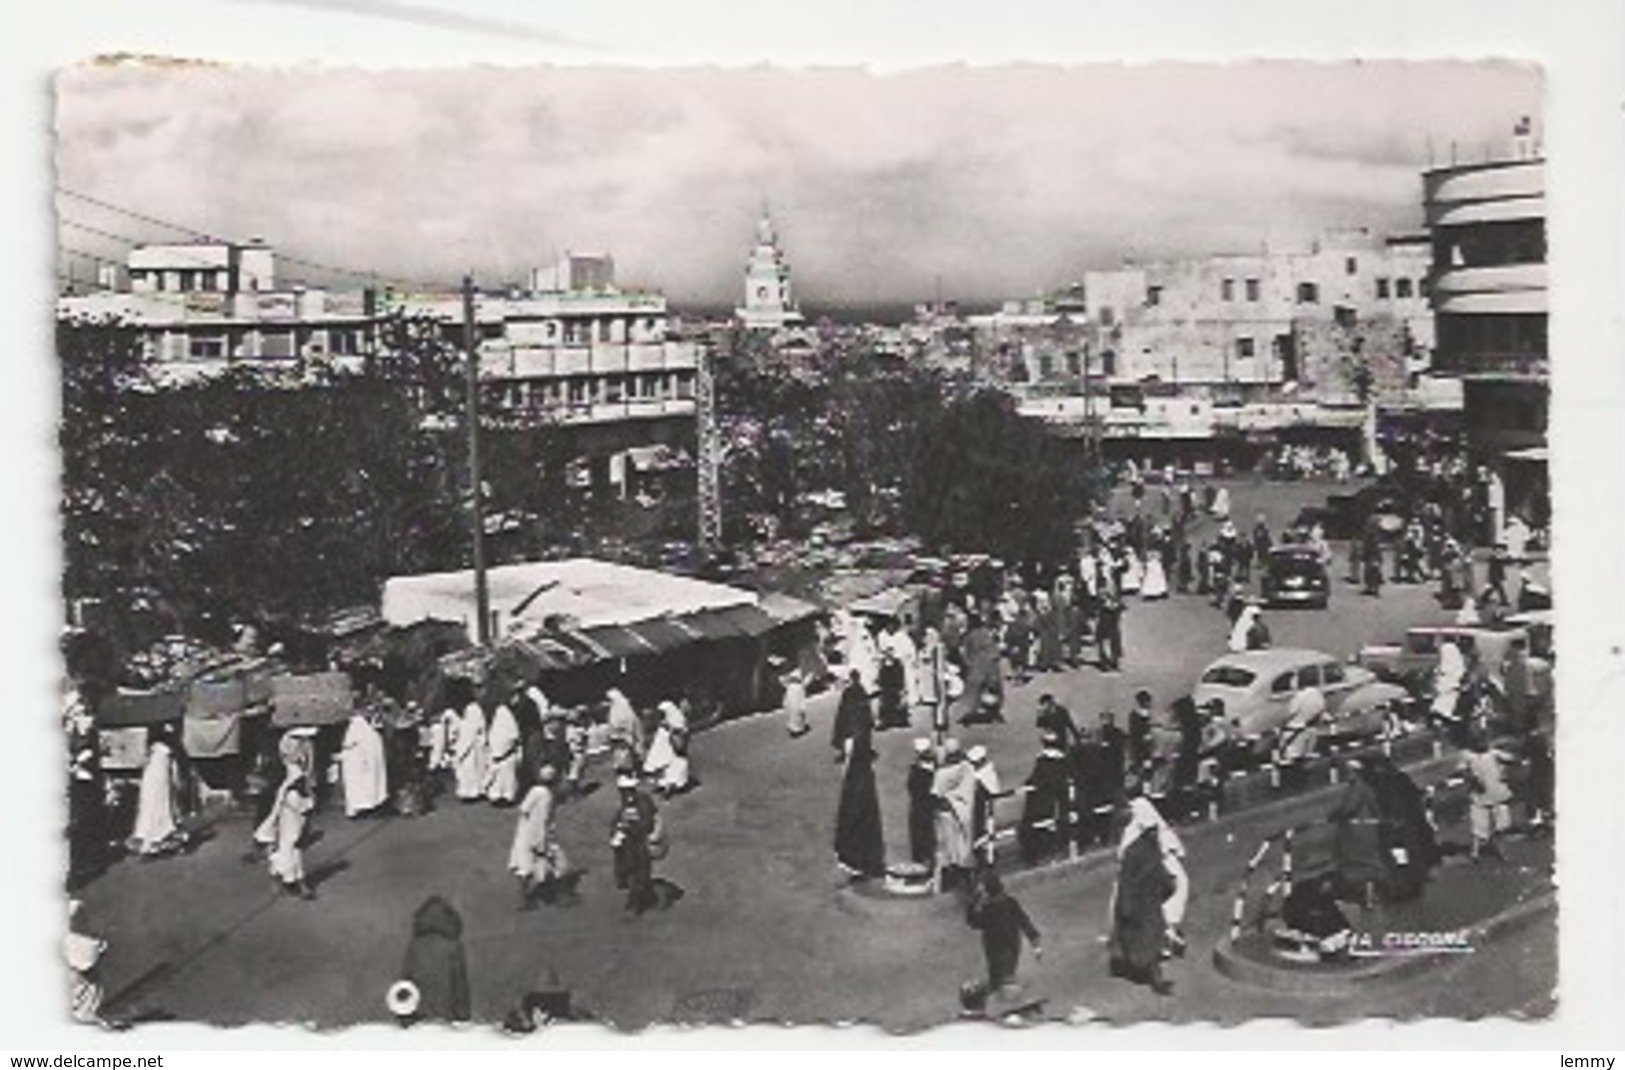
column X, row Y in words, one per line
column 550, row 649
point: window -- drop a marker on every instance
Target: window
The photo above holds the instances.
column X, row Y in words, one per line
column 491, row 332
column 1229, row 676
column 1252, row 289
column 1244, row 348
column 1422, row 287
column 1153, row 295
column 1382, row 288
column 1308, row 676
column 1351, row 266
column 276, row 344
column 1281, row 685
column 685, row 386
column 1333, row 673
column 1108, row 316
column 603, row 330
column 1345, row 316
column 344, row 341
column 614, row 389
column 1402, row 287
column 206, row 346
column 1308, row 293
column 578, row 392
column 1227, row 290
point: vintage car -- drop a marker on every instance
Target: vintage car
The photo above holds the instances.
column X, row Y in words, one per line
column 1295, row 576
column 1256, row 689
column 1412, row 661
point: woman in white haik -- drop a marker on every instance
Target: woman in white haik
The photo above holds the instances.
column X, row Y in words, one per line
column 667, row 760
column 1143, row 814
column 502, row 766
column 536, row 857
column 155, row 825
column 283, row 831
column 469, row 753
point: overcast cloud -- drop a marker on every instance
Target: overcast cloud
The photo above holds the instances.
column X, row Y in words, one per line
column 1003, row 181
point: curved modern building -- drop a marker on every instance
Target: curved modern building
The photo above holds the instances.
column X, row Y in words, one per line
column 1488, row 288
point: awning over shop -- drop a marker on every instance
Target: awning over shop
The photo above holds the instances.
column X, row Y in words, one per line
column 788, row 610
column 663, row 635
column 136, row 709
column 317, row 699
column 619, row 642
column 1531, row 454
column 888, row 603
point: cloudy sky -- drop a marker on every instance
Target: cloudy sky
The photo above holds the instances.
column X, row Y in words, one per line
column 1002, row 181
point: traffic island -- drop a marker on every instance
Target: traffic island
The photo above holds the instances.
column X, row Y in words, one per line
column 1465, row 905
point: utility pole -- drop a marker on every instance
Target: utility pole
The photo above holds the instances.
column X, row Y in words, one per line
column 709, row 451
column 476, row 496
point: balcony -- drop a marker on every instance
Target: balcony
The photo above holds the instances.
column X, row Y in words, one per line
column 1500, row 278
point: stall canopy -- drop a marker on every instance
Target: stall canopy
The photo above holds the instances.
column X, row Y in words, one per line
column 568, row 614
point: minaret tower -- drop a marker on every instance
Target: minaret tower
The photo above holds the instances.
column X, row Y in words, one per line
column 768, row 302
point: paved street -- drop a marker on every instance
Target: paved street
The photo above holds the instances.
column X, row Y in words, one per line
column 764, row 928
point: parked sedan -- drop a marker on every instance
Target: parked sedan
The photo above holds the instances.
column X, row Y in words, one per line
column 1295, row 576
column 1256, row 689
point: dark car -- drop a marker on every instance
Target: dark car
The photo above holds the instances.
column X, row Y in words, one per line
column 1296, row 576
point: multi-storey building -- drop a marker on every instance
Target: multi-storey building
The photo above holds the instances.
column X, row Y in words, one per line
column 200, row 308
column 1318, row 321
column 580, row 355
column 1488, row 223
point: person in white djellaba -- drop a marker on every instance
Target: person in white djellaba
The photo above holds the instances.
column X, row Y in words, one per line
column 362, row 767
column 282, row 833
column 155, row 825
column 502, row 767
column 469, row 753
column 536, row 858
column 667, row 760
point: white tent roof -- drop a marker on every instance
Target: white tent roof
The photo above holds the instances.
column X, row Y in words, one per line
column 589, row 593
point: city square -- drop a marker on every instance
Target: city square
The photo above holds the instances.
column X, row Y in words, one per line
column 1174, row 645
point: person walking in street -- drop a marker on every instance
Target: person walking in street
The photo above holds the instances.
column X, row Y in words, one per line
column 536, row 857
column 859, row 844
column 156, row 829
column 1300, row 736
column 362, row 767
column 795, row 704
column 282, row 833
column 1046, row 819
column 1138, row 930
column 955, row 792
column 436, row 966
column 636, row 837
column 1357, row 840
column 922, row 808
column 1003, row 922
column 667, row 760
column 502, row 767
column 625, row 726
column 1488, row 813
column 469, row 753
column 1109, row 627
column 1143, row 814
column 984, row 825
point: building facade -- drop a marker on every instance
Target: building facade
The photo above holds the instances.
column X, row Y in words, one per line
column 582, row 355
column 1488, row 227
column 1314, row 322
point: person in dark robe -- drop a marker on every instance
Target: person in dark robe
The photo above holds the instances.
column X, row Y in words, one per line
column 1046, row 818
column 1109, row 627
column 1357, row 841
column 1185, row 569
column 87, row 806
column 1049, row 638
column 1409, row 846
column 1139, row 732
column 1002, row 921
column 893, row 680
column 1372, row 573
column 1311, row 909
column 1139, row 932
column 983, row 699
column 636, row 837
column 852, row 708
column 1188, row 762
column 922, row 805
column 1115, row 753
column 859, row 845
column 528, row 717
column 1515, row 684
column 1540, row 786
column 436, row 965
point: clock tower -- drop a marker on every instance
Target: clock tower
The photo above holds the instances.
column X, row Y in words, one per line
column 768, row 302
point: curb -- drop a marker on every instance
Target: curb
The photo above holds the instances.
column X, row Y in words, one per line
column 1346, row 982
